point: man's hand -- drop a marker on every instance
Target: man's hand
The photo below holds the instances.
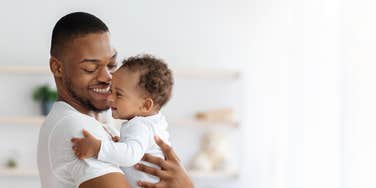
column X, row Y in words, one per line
column 115, row 138
column 172, row 173
column 86, row 147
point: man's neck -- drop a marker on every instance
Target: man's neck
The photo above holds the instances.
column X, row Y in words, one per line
column 76, row 105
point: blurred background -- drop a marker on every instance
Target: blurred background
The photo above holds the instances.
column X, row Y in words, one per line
column 268, row 94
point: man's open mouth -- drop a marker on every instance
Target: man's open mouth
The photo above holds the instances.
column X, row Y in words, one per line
column 101, row 90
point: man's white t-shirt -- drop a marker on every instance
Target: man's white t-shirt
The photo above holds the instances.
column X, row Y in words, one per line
column 57, row 164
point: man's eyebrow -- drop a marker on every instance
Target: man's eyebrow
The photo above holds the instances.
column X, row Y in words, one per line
column 96, row 61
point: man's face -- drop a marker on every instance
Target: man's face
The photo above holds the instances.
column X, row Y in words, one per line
column 88, row 62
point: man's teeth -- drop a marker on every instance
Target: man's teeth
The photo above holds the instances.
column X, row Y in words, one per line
column 105, row 90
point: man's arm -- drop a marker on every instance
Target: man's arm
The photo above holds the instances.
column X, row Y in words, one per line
column 89, row 172
column 111, row 180
column 172, row 173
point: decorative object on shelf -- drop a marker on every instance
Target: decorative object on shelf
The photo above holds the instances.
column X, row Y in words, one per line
column 46, row 95
column 213, row 155
column 216, row 115
column 11, row 163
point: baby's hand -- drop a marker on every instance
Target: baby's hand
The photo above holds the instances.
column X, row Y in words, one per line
column 86, row 147
column 115, row 138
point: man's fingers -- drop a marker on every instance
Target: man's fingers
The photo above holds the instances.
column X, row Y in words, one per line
column 155, row 160
column 86, row 133
column 166, row 149
column 75, row 139
column 146, row 184
column 150, row 170
column 152, row 185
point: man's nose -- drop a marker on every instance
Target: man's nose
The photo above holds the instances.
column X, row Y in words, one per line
column 104, row 75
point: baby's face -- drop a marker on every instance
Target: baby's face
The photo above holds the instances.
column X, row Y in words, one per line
column 126, row 99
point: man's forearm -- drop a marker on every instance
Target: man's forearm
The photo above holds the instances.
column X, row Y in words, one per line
column 111, row 180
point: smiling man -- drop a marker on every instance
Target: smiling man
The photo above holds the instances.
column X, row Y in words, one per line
column 82, row 61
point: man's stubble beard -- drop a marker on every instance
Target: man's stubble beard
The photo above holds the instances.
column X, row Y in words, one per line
column 86, row 103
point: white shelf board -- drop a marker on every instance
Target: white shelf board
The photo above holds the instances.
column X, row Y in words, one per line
column 18, row 172
column 195, row 73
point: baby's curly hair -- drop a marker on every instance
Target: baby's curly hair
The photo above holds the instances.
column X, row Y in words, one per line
column 155, row 79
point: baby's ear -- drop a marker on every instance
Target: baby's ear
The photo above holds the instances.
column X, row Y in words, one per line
column 148, row 104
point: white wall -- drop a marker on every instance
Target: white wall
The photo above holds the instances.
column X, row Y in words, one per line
column 295, row 93
column 360, row 48
column 308, row 119
column 207, row 34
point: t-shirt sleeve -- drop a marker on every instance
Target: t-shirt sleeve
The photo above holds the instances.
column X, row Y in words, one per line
column 135, row 140
column 65, row 165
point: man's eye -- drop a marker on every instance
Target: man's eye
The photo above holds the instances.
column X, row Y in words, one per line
column 118, row 94
column 89, row 71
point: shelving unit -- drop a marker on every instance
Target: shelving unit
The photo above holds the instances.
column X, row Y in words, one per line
column 38, row 120
column 218, row 174
column 34, row 173
column 33, row 120
column 196, row 73
column 210, row 74
column 18, row 172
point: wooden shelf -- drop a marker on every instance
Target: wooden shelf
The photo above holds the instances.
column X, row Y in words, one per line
column 38, row 120
column 200, row 123
column 18, row 172
column 216, row 174
column 206, row 73
column 191, row 73
column 35, row 120
column 194, row 174
column 25, row 69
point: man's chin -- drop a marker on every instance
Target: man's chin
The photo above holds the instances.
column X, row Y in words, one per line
column 100, row 106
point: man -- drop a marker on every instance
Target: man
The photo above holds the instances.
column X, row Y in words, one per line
column 82, row 60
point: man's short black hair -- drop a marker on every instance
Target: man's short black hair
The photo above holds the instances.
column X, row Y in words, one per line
column 74, row 25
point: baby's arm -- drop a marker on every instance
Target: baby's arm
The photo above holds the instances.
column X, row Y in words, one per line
column 135, row 139
column 88, row 146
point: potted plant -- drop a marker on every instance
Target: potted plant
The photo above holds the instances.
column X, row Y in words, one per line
column 46, row 96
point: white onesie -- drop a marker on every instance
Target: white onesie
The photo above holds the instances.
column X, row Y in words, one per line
column 136, row 139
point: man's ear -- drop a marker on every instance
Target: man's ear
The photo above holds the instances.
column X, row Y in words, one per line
column 56, row 67
column 148, row 104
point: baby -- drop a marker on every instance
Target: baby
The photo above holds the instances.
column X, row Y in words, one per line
column 140, row 88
